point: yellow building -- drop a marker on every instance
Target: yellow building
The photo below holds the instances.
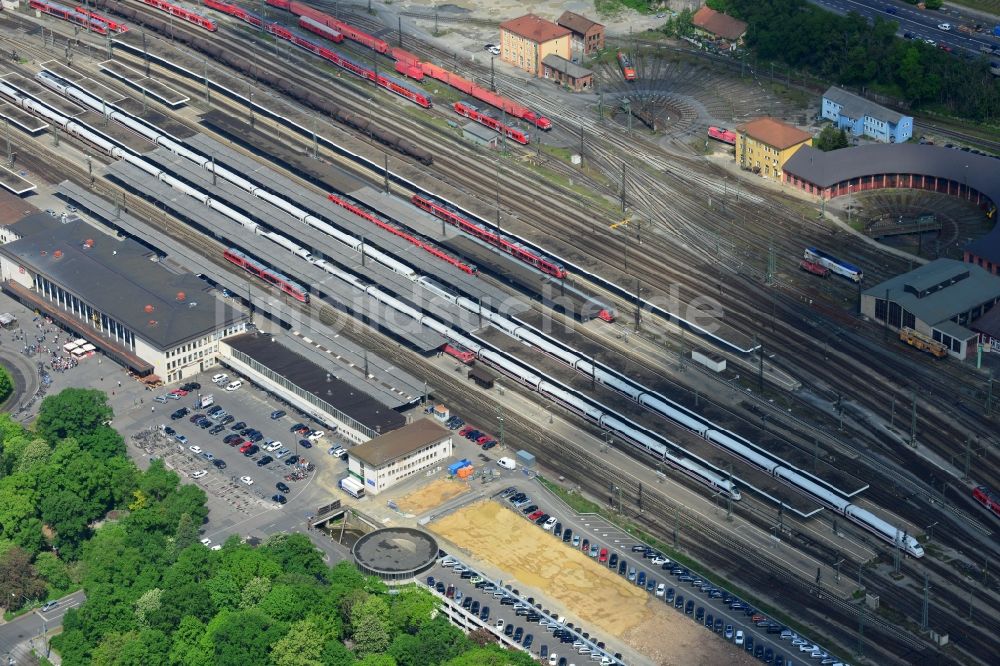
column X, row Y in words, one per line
column 765, row 144
column 525, row 41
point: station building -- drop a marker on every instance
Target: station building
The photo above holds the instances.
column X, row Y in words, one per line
column 942, row 299
column 385, row 461
column 159, row 322
column 527, row 40
column 860, row 117
column 764, row 145
column 309, row 387
column 588, row 36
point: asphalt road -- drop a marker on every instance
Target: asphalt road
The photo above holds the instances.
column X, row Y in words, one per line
column 19, row 636
column 921, row 23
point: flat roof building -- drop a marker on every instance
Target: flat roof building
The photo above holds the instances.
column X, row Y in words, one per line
column 309, row 387
column 587, row 35
column 763, row 145
column 864, row 117
column 526, row 40
column 118, row 296
column 480, row 135
column 941, row 300
column 393, row 457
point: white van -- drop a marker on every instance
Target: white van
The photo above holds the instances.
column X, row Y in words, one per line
column 507, row 463
column 232, row 386
column 205, row 401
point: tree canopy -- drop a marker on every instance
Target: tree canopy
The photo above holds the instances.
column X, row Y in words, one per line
column 156, row 596
column 853, row 52
column 831, row 138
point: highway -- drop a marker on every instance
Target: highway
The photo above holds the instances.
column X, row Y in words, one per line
column 922, row 24
column 19, row 636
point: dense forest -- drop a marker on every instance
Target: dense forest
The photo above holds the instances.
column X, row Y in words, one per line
column 850, row 51
column 76, row 512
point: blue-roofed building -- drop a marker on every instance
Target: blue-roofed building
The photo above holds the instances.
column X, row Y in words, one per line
column 862, row 117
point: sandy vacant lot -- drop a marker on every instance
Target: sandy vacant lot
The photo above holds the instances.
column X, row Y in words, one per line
column 497, row 536
column 432, row 495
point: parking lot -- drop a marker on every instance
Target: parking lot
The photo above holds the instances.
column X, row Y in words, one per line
column 194, row 452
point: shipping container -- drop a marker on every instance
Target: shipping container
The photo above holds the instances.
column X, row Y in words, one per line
column 465, row 472
column 454, row 467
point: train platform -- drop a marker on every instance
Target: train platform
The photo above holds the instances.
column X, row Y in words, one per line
column 335, row 292
column 117, row 132
column 21, row 118
column 43, row 94
column 312, row 239
column 14, row 183
column 384, row 380
column 424, row 262
column 148, row 85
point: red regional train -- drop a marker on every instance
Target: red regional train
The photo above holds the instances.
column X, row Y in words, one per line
column 67, row 14
column 495, row 239
column 321, row 29
column 363, row 212
column 269, row 275
column 181, row 13
column 409, row 65
column 985, row 496
column 390, row 84
column 113, row 26
column 472, row 113
column 723, row 135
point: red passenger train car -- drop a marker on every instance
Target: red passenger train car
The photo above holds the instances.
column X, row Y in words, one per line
column 988, row 498
column 181, row 13
column 235, row 10
column 485, row 234
column 113, row 26
column 472, row 113
column 71, row 15
column 269, row 275
column 321, row 29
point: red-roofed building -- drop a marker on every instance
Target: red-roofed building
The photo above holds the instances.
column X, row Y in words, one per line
column 717, row 25
column 526, row 40
column 763, row 145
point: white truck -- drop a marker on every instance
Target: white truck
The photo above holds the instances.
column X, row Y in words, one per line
column 507, row 463
column 352, row 487
column 204, row 401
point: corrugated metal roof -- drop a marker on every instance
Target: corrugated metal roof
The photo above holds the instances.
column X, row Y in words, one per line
column 964, row 287
column 855, row 107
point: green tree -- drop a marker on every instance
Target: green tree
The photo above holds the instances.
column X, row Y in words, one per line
column 147, row 605
column 370, row 626
column 254, row 592
column 831, row 138
column 18, row 506
column 336, row 653
column 55, row 572
column 301, row 646
column 296, row 554
column 412, row 608
column 377, row 659
column 185, row 648
column 6, row 383
column 34, row 455
column 79, row 413
column 224, row 590
column 492, row 655
column 19, row 582
column 186, row 534
column 244, row 637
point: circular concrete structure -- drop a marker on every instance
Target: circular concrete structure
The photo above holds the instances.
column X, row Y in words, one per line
column 395, row 553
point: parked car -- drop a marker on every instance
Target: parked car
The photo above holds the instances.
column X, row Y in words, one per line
column 280, row 499
column 277, row 414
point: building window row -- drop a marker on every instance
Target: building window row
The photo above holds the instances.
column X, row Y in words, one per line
column 70, row 303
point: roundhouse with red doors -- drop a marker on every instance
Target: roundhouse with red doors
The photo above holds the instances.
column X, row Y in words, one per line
column 267, row 274
column 181, row 13
column 988, row 498
column 494, row 238
column 71, row 15
column 473, row 113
